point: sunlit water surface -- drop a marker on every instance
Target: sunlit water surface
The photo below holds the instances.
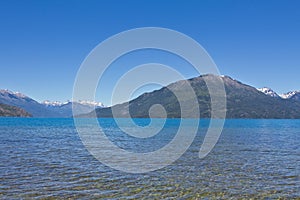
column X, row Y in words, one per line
column 45, row 158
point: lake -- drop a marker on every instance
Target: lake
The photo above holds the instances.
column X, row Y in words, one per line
column 45, row 158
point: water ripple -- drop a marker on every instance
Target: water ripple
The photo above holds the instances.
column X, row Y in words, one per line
column 45, row 159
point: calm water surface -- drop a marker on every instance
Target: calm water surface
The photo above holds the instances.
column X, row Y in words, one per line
column 45, row 158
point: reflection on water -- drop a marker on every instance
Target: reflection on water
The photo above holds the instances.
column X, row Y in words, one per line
column 44, row 158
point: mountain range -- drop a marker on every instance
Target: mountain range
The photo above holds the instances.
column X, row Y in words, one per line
column 243, row 101
column 290, row 95
column 46, row 108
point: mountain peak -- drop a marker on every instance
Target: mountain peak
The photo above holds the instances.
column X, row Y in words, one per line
column 291, row 95
column 47, row 108
column 242, row 101
column 52, row 103
column 268, row 91
column 82, row 102
column 18, row 94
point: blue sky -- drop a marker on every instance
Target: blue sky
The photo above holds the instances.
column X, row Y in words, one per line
column 43, row 43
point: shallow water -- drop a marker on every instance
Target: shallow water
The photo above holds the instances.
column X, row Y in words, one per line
column 45, row 158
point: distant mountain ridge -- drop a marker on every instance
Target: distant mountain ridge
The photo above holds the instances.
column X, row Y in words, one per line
column 66, row 109
column 46, row 108
column 243, row 101
column 26, row 103
column 58, row 103
column 289, row 95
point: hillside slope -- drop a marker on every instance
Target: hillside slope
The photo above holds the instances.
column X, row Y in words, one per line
column 243, row 101
column 12, row 111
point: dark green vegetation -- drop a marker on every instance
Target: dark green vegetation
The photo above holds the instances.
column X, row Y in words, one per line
column 243, row 101
column 12, row 111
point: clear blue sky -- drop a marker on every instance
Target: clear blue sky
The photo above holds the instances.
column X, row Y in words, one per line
column 43, row 43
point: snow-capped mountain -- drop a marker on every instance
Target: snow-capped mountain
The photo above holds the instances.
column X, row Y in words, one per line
column 294, row 95
column 82, row 102
column 52, row 103
column 26, row 103
column 91, row 103
column 242, row 101
column 47, row 108
column 268, row 91
column 291, row 95
column 75, row 108
column 7, row 92
column 69, row 108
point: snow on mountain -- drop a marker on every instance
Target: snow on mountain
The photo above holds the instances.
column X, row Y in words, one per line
column 268, row 91
column 47, row 108
column 82, row 102
column 294, row 95
column 72, row 108
column 91, row 103
column 8, row 92
column 26, row 103
column 290, row 95
column 52, row 103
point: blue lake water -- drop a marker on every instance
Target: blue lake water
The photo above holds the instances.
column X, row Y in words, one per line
column 45, row 158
